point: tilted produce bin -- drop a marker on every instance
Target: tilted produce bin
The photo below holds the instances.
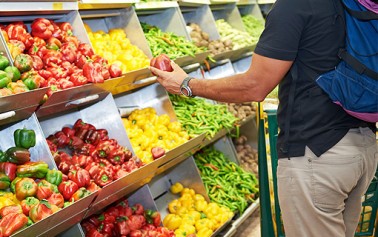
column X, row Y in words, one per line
column 170, row 20
column 64, row 218
column 231, row 15
column 155, row 96
column 185, row 173
column 103, row 115
column 127, row 20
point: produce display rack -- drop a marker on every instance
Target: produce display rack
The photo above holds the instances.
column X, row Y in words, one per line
column 99, row 104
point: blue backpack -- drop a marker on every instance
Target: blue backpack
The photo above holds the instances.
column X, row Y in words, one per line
column 353, row 84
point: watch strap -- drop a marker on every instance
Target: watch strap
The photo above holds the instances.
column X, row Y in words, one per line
column 185, row 86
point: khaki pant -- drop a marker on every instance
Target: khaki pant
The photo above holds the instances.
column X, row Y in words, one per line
column 321, row 196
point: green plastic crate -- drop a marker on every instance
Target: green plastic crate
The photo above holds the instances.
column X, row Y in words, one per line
column 271, row 221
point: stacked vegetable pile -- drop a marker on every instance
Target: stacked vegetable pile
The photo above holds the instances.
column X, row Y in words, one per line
column 253, row 26
column 243, row 110
column 8, row 75
column 191, row 214
column 120, row 219
column 116, row 48
column 30, row 190
column 240, row 39
column 198, row 116
column 152, row 135
column 51, row 56
column 96, row 159
column 247, row 155
column 201, row 39
column 168, row 43
column 226, row 183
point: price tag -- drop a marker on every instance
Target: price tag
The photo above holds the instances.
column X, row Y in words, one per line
column 58, row 6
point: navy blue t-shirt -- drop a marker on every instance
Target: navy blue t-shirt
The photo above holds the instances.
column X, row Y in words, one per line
column 310, row 33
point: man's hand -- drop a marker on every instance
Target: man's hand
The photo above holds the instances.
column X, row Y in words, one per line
column 171, row 81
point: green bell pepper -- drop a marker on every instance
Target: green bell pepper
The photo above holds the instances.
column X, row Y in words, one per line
column 54, row 176
column 3, row 157
column 4, row 79
column 4, row 181
column 23, row 62
column 37, row 169
column 24, row 138
column 13, row 73
column 18, row 155
column 4, row 62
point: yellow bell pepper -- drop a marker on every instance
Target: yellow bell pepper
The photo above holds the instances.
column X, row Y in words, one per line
column 188, row 218
column 187, row 201
column 176, row 188
column 211, row 210
column 164, row 119
column 200, row 205
column 205, row 232
column 204, row 223
column 5, row 201
column 172, row 221
column 174, row 205
column 175, row 126
column 195, row 215
column 185, row 230
column 188, row 190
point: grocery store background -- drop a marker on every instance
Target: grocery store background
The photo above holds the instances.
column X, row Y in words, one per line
column 114, row 153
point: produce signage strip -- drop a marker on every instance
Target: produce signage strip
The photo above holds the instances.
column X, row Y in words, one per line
column 152, row 135
column 226, row 183
column 51, row 56
column 240, row 39
column 121, row 219
column 29, row 191
column 198, row 116
column 96, row 159
column 253, row 26
column 168, row 43
column 191, row 215
column 115, row 47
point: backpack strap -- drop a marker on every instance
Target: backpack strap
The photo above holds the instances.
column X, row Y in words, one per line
column 357, row 65
column 362, row 15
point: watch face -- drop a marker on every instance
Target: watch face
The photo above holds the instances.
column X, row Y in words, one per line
column 184, row 90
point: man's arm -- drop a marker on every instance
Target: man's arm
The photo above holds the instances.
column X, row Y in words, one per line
column 253, row 85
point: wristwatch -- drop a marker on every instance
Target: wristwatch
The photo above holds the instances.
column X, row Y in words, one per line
column 185, row 89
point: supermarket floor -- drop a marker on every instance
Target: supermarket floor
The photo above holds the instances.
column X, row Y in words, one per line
column 250, row 227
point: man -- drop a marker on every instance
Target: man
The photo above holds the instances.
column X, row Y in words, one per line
column 326, row 157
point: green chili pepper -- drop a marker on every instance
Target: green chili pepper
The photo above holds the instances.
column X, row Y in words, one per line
column 24, row 138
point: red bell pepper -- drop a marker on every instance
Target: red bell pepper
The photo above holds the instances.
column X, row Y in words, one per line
column 45, row 189
column 92, row 137
column 53, row 44
column 77, row 78
column 52, row 58
column 28, row 203
column 93, row 169
column 94, row 233
column 80, row 176
column 82, row 160
column 102, row 178
column 11, row 223
column 42, row 28
column 93, row 72
column 67, row 189
column 45, row 74
column 9, row 169
column 37, row 62
column 93, row 187
column 103, row 134
column 71, row 39
column 10, row 209
column 66, row 27
column 69, row 132
column 57, row 32
column 25, row 187
column 40, row 211
column 121, row 226
column 135, row 222
column 157, row 152
column 18, row 44
column 81, row 60
column 56, row 199
column 39, row 42
column 138, row 209
column 69, row 52
column 85, row 49
column 115, row 70
column 65, row 84
column 80, row 193
column 18, row 31
column 62, row 139
column 76, row 143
